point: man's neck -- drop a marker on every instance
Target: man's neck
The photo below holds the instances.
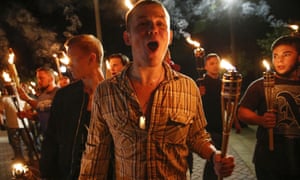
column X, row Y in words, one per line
column 49, row 89
column 213, row 76
column 146, row 76
column 90, row 83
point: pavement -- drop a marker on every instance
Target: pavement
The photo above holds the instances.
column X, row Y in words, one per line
column 241, row 146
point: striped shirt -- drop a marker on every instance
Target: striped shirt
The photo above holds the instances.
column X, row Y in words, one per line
column 176, row 125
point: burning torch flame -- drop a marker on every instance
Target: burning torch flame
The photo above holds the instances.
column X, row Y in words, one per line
column 19, row 170
column 61, row 59
column 192, row 42
column 294, row 27
column 107, row 65
column 11, row 57
column 6, row 76
column 226, row 65
column 65, row 59
column 128, row 4
column 188, row 38
column 266, row 64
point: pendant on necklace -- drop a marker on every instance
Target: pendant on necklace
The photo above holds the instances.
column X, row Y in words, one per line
column 142, row 122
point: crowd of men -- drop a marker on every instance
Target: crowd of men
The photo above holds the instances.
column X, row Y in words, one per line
column 145, row 118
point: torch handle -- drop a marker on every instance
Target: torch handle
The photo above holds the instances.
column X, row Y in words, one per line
column 225, row 140
column 224, row 147
column 269, row 82
column 58, row 67
column 271, row 136
column 271, row 139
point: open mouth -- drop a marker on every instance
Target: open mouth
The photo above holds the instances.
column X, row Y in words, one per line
column 152, row 45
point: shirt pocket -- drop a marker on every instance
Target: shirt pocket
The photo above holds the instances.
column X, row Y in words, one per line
column 176, row 128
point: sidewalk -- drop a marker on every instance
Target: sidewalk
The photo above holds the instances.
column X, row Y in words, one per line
column 241, row 146
column 5, row 157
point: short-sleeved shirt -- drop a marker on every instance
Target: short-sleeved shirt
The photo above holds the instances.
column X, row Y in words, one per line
column 286, row 97
column 43, row 107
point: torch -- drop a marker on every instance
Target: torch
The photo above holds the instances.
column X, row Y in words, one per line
column 294, row 28
column 269, row 81
column 12, row 91
column 199, row 55
column 61, row 61
column 57, row 63
column 20, row 170
column 12, row 67
column 128, row 4
column 230, row 92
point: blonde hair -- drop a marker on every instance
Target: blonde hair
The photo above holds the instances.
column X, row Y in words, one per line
column 88, row 43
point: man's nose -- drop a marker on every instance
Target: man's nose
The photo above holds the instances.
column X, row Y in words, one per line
column 152, row 28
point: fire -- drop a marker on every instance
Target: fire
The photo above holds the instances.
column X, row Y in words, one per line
column 226, row 65
column 294, row 27
column 19, row 170
column 128, row 4
column 107, row 65
column 192, row 42
column 267, row 65
column 11, row 56
column 6, row 77
column 65, row 59
column 62, row 57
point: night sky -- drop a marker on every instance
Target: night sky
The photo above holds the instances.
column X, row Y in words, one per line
column 36, row 29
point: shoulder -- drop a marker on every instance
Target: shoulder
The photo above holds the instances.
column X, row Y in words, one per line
column 257, row 83
column 70, row 89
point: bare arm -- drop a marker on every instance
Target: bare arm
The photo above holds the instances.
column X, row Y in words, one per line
column 32, row 102
column 248, row 116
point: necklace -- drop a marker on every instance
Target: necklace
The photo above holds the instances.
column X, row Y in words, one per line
column 144, row 107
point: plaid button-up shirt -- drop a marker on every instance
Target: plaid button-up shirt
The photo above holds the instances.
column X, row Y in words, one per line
column 176, row 125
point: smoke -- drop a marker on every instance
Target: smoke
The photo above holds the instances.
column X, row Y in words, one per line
column 3, row 47
column 39, row 38
column 67, row 9
column 261, row 9
column 73, row 19
column 184, row 12
column 42, row 40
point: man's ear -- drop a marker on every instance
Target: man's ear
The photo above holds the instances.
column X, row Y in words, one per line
column 93, row 57
column 126, row 37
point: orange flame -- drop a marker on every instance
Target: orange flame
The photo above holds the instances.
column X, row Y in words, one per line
column 11, row 56
column 65, row 59
column 266, row 64
column 192, row 42
column 294, row 27
column 128, row 4
column 226, row 65
column 6, row 77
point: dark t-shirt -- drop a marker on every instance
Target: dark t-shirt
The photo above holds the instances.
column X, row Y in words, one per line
column 43, row 108
column 286, row 98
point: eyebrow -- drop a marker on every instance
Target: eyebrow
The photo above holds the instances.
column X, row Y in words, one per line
column 287, row 51
column 156, row 16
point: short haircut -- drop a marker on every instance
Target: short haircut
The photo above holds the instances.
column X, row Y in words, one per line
column 287, row 40
column 88, row 43
column 47, row 70
column 128, row 15
column 210, row 55
column 124, row 58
